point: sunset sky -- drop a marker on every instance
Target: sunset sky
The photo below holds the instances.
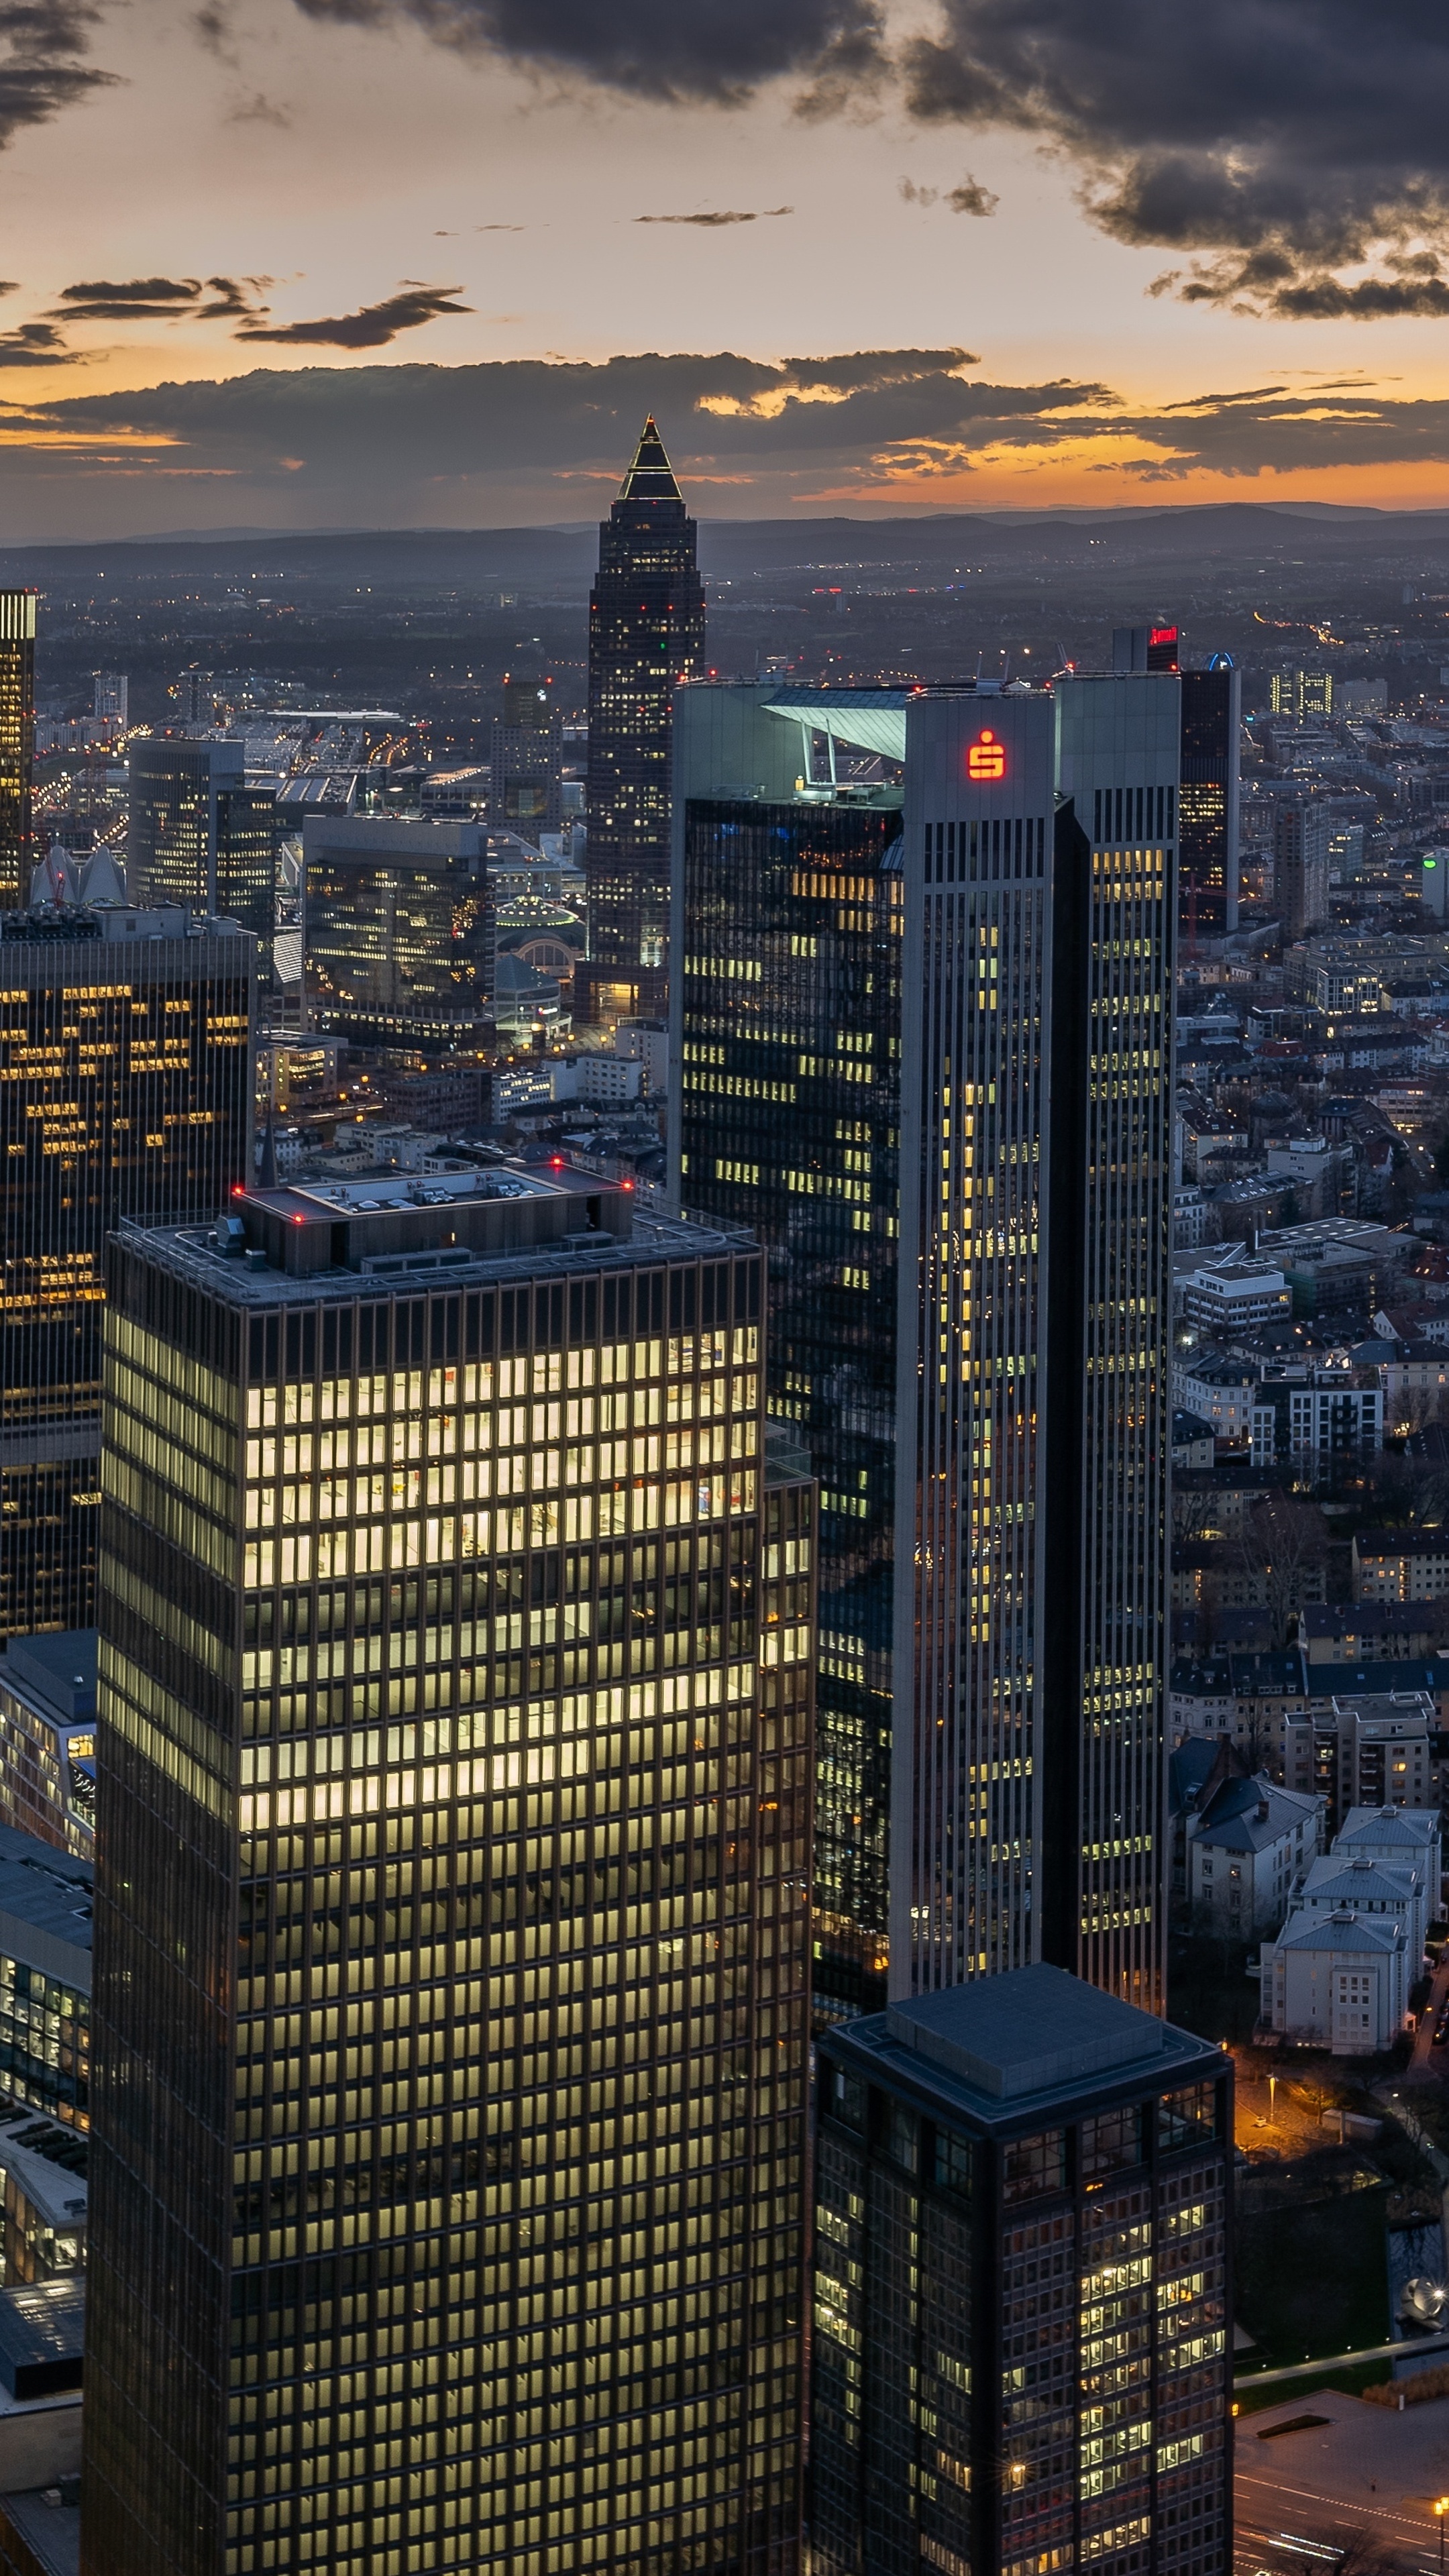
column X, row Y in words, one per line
column 429, row 263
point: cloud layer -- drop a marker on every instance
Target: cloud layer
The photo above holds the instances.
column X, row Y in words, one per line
column 40, row 68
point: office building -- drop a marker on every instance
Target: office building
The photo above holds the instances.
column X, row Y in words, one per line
column 526, row 759
column 1144, row 648
column 111, row 705
column 48, row 1738
column 399, row 930
column 17, row 743
column 646, row 636
column 1303, row 694
column 198, row 836
column 125, row 1091
column 1020, row 2357
column 45, row 1988
column 1208, row 809
column 1029, row 1436
column 456, row 1648
column 785, row 1112
column 1300, row 863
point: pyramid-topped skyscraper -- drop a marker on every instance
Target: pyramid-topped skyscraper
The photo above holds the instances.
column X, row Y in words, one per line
column 646, row 635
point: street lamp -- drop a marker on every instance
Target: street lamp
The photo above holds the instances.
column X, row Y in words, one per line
column 1441, row 2508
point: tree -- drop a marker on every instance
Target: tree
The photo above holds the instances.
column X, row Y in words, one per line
column 1441, row 1161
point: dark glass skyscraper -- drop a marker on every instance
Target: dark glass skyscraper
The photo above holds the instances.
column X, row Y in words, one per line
column 17, row 743
column 1207, row 858
column 125, row 1091
column 526, row 758
column 450, row 2050
column 939, row 1013
column 198, row 835
column 399, row 929
column 787, row 1011
column 646, row 635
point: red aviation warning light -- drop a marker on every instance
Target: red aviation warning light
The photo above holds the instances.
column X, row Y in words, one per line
column 986, row 758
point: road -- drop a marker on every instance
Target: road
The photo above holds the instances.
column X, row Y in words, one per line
column 1355, row 2478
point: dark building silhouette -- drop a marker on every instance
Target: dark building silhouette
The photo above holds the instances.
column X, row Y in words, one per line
column 1208, row 804
column 17, row 742
column 1023, row 2200
column 125, row 1091
column 646, row 634
column 198, row 835
column 526, row 759
column 450, row 2049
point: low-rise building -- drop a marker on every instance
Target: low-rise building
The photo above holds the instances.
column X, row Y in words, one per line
column 1223, row 1392
column 1247, row 1698
column 1227, row 1301
column 1377, row 1749
column 1401, row 1565
column 1247, row 1845
column 1337, row 1981
column 48, row 1737
column 1337, row 1881
column 1317, row 1419
column 1401, row 1836
column 1391, row 1632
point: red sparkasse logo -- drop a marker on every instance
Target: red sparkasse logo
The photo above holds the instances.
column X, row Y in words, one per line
column 986, row 758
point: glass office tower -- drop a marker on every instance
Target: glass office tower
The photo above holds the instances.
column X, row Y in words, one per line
column 1023, row 2229
column 449, row 2055
column 125, row 1091
column 400, row 936
column 788, row 1093
column 646, row 635
column 17, row 743
column 198, row 835
column 967, row 1051
column 1035, row 1314
column 1212, row 720
column 525, row 758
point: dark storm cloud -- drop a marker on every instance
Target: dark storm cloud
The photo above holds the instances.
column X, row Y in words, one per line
column 414, row 445
column 1274, row 142
column 39, row 72
column 709, row 223
column 709, row 49
column 370, row 328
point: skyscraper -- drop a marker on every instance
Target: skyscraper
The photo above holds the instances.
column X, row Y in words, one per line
column 125, row 1091
column 399, row 938
column 646, row 635
column 198, row 835
column 786, row 1108
column 448, row 2083
column 1207, row 855
column 17, row 742
column 112, row 699
column 964, row 979
column 526, row 758
column 1021, row 2363
column 1300, row 862
column 1035, row 1313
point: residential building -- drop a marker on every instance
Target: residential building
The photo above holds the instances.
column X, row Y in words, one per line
column 646, row 637
column 1368, row 1887
column 784, row 1116
column 1020, row 2356
column 1222, row 1392
column 198, row 836
column 457, row 1641
column 1193, row 1445
column 48, row 1738
column 1248, row 1842
column 125, row 1092
column 17, row 744
column 111, row 700
column 1370, row 1749
column 1371, row 1632
column 1338, row 1981
column 1401, row 1564
column 399, row 945
column 1401, row 1837
column 526, row 777
column 1247, row 1697
column 1021, row 833
column 1318, row 1418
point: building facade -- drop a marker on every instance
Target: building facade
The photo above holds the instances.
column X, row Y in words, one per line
column 398, row 929
column 17, row 743
column 125, row 1092
column 48, row 1738
column 449, row 2081
column 786, row 1107
column 931, row 1009
column 198, row 836
column 1208, row 814
column 526, row 759
column 1020, row 2357
column 1300, row 863
column 646, row 636
column 1033, row 1407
